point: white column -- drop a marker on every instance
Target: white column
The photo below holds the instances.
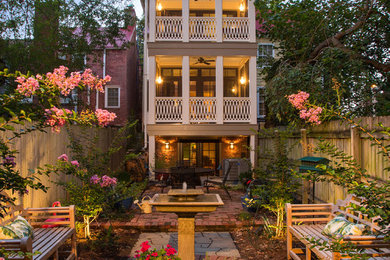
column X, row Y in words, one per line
column 152, row 20
column 252, row 89
column 186, row 89
column 152, row 89
column 186, row 18
column 252, row 20
column 252, row 144
column 219, row 88
column 218, row 19
column 152, row 155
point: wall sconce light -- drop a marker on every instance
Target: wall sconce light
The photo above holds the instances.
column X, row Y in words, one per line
column 159, row 6
column 234, row 90
column 159, row 80
column 167, row 146
column 242, row 7
column 242, row 80
column 231, row 145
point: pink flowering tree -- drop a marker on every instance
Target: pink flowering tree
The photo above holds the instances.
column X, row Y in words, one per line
column 45, row 111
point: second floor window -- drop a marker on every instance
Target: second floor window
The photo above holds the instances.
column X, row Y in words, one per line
column 112, row 97
column 265, row 52
column 261, row 111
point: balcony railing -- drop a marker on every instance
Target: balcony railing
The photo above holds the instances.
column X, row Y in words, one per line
column 235, row 28
column 169, row 109
column 202, row 109
column 170, row 28
column 202, row 28
column 236, row 109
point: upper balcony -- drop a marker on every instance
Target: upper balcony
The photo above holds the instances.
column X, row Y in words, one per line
column 197, row 20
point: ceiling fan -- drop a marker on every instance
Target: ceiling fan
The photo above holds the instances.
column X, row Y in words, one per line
column 204, row 61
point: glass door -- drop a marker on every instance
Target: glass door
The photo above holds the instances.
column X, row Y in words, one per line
column 200, row 154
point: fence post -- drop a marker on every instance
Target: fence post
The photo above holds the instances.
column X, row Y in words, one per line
column 306, row 184
column 356, row 144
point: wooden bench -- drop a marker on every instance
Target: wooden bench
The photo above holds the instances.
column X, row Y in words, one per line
column 47, row 241
column 306, row 221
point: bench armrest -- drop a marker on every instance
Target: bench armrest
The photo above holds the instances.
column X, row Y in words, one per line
column 24, row 244
column 312, row 213
column 59, row 216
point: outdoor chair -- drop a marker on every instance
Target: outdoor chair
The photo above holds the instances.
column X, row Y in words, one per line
column 212, row 183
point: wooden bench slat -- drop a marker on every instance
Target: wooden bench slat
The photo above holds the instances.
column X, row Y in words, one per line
column 53, row 243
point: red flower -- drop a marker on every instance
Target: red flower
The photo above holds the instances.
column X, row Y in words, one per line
column 154, row 254
column 248, row 182
column 168, row 246
column 145, row 246
column 148, row 257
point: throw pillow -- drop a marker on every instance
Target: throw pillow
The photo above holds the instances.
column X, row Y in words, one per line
column 17, row 229
column 352, row 229
column 334, row 226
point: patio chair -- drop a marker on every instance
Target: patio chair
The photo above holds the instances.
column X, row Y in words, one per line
column 212, row 183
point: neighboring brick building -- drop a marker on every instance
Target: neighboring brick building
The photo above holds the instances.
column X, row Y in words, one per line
column 122, row 94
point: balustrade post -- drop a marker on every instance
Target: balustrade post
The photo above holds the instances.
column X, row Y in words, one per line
column 185, row 20
column 152, row 89
column 152, row 20
column 253, row 89
column 219, row 89
column 186, row 89
column 218, row 20
column 252, row 21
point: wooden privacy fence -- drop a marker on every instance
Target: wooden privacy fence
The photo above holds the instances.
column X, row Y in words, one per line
column 38, row 148
column 348, row 139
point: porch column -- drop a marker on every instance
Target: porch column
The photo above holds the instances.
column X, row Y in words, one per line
column 252, row 20
column 253, row 89
column 152, row 20
column 252, row 144
column 219, row 88
column 152, row 89
column 186, row 89
column 218, row 20
column 186, row 18
column 152, row 153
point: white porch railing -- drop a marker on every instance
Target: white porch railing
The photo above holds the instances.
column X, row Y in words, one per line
column 169, row 28
column 202, row 28
column 169, row 109
column 236, row 109
column 235, row 28
column 203, row 109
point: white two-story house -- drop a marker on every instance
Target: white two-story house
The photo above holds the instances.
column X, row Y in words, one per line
column 200, row 90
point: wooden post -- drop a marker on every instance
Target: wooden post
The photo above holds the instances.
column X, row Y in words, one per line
column 289, row 223
column 356, row 144
column 252, row 20
column 253, row 89
column 186, row 90
column 218, row 20
column 306, row 184
column 186, row 18
column 72, row 220
column 219, row 89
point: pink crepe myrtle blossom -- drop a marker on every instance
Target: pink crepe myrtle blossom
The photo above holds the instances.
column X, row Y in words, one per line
column 89, row 80
column 63, row 157
column 298, row 100
column 107, row 181
column 56, row 118
column 311, row 115
column 104, row 117
column 94, row 179
column 75, row 163
column 27, row 86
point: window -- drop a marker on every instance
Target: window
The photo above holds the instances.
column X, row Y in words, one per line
column 69, row 99
column 261, row 103
column 112, row 95
column 264, row 53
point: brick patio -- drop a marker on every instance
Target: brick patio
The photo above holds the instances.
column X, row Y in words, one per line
column 223, row 219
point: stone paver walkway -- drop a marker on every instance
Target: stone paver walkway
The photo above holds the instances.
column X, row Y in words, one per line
column 223, row 219
column 213, row 245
